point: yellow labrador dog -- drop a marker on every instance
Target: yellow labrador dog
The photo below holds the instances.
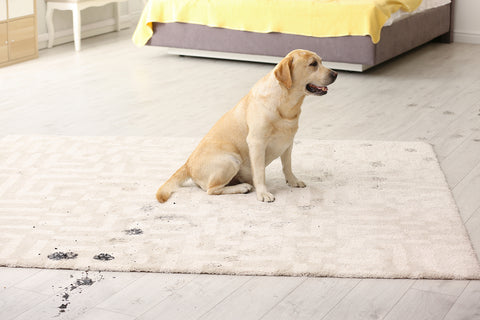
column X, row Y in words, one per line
column 260, row 128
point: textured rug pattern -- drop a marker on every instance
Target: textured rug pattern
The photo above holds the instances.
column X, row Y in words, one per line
column 370, row 209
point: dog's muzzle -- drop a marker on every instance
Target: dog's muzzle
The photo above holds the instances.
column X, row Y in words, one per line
column 322, row 90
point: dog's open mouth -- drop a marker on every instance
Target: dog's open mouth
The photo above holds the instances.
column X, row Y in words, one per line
column 319, row 91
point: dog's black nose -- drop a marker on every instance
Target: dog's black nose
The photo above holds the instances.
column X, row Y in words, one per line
column 333, row 75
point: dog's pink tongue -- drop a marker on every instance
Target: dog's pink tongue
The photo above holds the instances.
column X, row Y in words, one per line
column 321, row 88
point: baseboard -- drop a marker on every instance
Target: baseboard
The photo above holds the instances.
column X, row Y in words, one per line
column 466, row 37
column 258, row 58
column 89, row 30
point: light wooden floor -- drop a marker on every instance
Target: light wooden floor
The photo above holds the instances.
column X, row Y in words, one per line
column 114, row 88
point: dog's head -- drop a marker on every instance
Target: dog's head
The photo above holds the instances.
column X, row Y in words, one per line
column 303, row 70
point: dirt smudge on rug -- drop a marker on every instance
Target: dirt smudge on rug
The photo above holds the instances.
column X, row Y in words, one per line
column 62, row 255
column 103, row 257
column 134, row 231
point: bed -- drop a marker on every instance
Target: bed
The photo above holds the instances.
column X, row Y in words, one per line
column 348, row 34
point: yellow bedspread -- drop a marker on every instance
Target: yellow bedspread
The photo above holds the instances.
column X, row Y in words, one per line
column 318, row 18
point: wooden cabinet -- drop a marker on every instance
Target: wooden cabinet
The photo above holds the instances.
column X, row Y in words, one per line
column 18, row 31
column 22, row 40
column 3, row 42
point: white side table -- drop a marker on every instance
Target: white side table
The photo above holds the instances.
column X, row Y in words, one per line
column 76, row 6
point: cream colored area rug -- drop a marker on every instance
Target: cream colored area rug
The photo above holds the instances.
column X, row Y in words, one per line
column 370, row 209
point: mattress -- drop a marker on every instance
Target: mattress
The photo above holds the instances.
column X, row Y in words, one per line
column 315, row 18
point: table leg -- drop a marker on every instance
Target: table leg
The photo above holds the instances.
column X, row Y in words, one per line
column 77, row 27
column 50, row 27
column 117, row 15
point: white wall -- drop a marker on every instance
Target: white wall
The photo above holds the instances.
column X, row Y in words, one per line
column 467, row 21
column 95, row 21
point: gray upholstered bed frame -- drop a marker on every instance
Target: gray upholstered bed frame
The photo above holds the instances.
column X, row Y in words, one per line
column 356, row 53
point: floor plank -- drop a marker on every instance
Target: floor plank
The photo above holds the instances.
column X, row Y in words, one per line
column 452, row 288
column 419, row 304
column 473, row 228
column 467, row 306
column 196, row 298
column 97, row 313
column 466, row 193
column 254, row 299
column 370, row 299
column 313, row 299
column 463, row 159
column 462, row 128
column 144, row 293
column 10, row 276
column 14, row 302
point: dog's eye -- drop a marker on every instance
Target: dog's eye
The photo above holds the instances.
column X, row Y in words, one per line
column 314, row 64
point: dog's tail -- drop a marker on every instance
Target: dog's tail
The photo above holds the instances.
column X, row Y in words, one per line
column 172, row 184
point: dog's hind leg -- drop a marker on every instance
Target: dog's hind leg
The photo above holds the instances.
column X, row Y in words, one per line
column 226, row 168
column 215, row 175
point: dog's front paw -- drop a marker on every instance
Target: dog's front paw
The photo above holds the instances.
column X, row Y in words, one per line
column 296, row 184
column 265, row 196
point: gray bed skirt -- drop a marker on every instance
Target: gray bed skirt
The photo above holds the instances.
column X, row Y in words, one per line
column 401, row 36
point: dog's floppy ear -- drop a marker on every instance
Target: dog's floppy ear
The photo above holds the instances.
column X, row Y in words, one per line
column 283, row 72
